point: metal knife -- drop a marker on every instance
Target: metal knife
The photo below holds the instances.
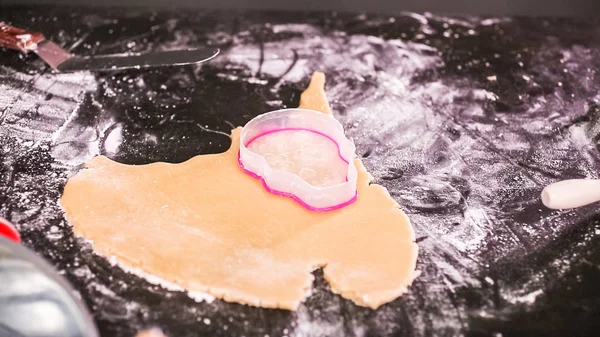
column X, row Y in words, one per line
column 61, row 60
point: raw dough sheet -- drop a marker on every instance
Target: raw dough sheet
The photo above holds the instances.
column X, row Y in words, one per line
column 206, row 225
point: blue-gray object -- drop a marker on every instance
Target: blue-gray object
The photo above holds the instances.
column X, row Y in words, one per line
column 35, row 301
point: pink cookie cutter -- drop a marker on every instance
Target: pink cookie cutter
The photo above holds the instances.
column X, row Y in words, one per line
column 284, row 183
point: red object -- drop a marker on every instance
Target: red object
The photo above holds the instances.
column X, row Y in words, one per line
column 8, row 230
column 19, row 39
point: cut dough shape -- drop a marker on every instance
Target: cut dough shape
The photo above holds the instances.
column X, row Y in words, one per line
column 207, row 226
column 309, row 155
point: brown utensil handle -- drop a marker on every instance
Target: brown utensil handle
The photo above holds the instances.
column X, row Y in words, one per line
column 19, row 39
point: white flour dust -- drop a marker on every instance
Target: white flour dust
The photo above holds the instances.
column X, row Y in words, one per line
column 195, row 295
column 50, row 98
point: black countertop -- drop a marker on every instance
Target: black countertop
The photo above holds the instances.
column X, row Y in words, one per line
column 463, row 119
column 562, row 8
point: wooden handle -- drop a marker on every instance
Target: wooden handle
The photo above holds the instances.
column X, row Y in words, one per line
column 19, row 39
column 571, row 193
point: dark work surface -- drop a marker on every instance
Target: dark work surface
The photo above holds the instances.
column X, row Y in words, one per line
column 588, row 8
column 464, row 120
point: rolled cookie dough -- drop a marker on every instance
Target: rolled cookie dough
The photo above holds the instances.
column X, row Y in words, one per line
column 206, row 225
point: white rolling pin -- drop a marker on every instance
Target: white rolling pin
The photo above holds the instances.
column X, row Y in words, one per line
column 571, row 193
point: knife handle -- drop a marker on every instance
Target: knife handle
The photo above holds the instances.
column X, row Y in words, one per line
column 19, row 39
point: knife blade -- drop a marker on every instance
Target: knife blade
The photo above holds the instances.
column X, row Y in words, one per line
column 61, row 60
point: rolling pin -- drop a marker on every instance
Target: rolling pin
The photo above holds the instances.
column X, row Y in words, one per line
column 571, row 193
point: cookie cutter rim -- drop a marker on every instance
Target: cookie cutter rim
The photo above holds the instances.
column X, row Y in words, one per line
column 313, row 198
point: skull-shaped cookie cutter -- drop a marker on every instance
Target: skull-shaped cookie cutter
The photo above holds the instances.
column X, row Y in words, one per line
column 314, row 198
